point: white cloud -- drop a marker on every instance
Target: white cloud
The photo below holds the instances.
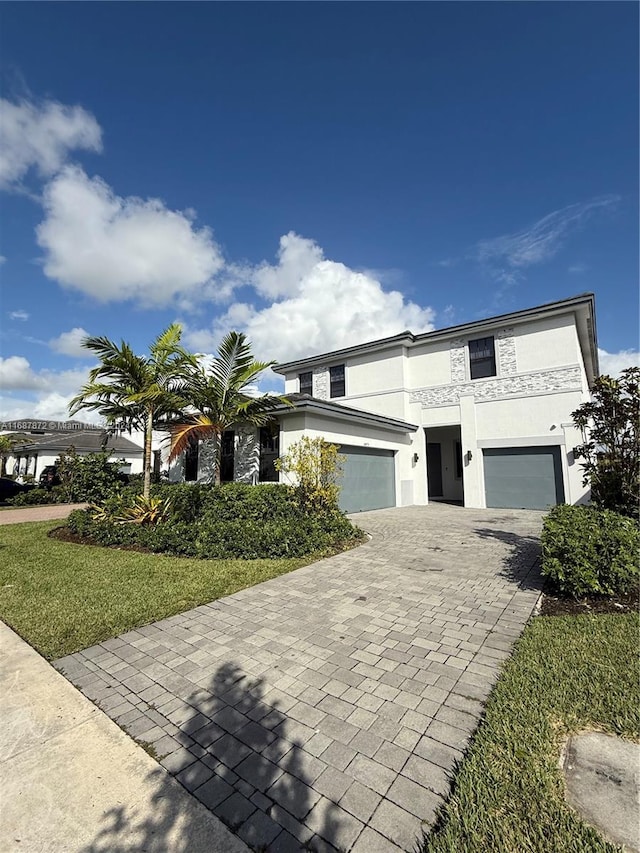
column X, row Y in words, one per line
column 70, row 343
column 16, row 374
column 41, row 136
column 506, row 256
column 577, row 269
column 325, row 305
column 118, row 249
column 20, row 314
column 50, row 407
column 613, row 363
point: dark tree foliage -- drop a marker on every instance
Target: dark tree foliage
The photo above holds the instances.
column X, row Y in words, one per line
column 610, row 452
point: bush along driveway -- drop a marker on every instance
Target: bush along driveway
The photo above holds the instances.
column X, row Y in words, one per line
column 328, row 707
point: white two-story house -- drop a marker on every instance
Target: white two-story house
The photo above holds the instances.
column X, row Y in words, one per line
column 478, row 414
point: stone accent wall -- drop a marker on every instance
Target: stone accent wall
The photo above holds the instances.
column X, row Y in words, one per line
column 206, row 461
column 458, row 360
column 560, row 379
column 247, row 455
column 321, row 383
column 507, row 352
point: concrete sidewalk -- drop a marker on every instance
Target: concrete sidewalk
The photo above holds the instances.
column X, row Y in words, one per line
column 72, row 780
column 37, row 513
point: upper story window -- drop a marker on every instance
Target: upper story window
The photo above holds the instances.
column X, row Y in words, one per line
column 306, row 383
column 482, row 358
column 336, row 381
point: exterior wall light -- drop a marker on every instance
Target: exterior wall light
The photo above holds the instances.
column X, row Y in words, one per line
column 469, row 456
column 415, row 458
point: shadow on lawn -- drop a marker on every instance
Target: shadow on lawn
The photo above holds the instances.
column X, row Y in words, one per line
column 522, row 563
column 239, row 762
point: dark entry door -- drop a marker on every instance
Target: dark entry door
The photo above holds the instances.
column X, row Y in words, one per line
column 434, row 469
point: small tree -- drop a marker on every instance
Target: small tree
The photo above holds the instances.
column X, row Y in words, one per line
column 91, row 478
column 313, row 464
column 610, row 426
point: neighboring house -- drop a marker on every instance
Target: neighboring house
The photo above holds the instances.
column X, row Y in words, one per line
column 48, row 439
column 478, row 414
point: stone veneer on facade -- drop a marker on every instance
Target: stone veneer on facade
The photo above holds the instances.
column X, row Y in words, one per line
column 321, row 383
column 507, row 352
column 542, row 382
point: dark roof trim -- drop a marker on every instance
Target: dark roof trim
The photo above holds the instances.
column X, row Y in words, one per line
column 328, row 409
column 407, row 337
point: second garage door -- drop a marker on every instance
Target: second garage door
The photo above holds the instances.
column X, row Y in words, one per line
column 368, row 479
column 523, row 477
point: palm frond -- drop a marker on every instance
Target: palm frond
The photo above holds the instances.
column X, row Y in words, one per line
column 199, row 427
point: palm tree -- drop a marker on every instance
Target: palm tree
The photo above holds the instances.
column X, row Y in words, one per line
column 133, row 391
column 220, row 398
column 8, row 444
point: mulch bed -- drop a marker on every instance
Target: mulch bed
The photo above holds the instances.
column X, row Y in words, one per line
column 66, row 535
column 558, row 605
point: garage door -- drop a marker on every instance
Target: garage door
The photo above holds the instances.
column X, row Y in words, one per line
column 368, row 480
column 523, row 477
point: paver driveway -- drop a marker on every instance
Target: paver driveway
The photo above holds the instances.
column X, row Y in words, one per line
column 327, row 707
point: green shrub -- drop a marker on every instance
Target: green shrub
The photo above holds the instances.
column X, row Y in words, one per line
column 232, row 520
column 38, row 497
column 314, row 467
column 89, row 478
column 586, row 550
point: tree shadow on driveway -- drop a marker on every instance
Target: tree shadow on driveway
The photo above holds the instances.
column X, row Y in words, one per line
column 240, row 757
column 521, row 564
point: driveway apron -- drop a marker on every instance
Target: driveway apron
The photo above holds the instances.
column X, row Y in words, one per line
column 328, row 707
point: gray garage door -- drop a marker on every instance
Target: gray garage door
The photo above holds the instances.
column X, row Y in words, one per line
column 523, row 477
column 368, row 480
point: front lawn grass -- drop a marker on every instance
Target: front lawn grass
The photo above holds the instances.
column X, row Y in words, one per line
column 62, row 597
column 567, row 674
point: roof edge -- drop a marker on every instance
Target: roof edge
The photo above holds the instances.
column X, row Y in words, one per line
column 449, row 331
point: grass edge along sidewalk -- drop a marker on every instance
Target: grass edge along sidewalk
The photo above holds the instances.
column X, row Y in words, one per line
column 566, row 674
column 61, row 597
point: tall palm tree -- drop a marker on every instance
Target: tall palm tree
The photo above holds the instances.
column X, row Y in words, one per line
column 135, row 391
column 220, row 399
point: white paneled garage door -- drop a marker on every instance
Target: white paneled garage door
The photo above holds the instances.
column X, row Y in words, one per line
column 368, row 480
column 523, row 477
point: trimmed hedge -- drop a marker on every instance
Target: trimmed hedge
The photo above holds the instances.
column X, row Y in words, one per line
column 232, row 520
column 586, row 551
column 38, row 497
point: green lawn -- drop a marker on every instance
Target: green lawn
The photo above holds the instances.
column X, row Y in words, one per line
column 568, row 673
column 62, row 597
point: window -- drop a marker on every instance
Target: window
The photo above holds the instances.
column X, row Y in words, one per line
column 336, row 381
column 482, row 358
column 458, row 460
column 269, row 452
column 226, row 456
column 191, row 462
column 306, row 383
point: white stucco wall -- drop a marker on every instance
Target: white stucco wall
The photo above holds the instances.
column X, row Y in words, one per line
column 408, row 489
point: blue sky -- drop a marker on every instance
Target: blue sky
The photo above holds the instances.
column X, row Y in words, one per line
column 315, row 174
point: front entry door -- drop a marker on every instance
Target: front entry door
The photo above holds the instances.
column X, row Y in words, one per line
column 434, row 469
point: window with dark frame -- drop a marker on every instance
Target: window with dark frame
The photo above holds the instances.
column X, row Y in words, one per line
column 269, row 452
column 306, row 383
column 336, row 381
column 482, row 358
column 227, row 447
column 458, row 460
column 191, row 462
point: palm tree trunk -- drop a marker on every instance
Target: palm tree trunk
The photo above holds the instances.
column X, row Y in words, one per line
column 148, row 435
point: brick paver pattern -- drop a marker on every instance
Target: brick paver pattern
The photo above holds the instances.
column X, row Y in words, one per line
column 325, row 709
